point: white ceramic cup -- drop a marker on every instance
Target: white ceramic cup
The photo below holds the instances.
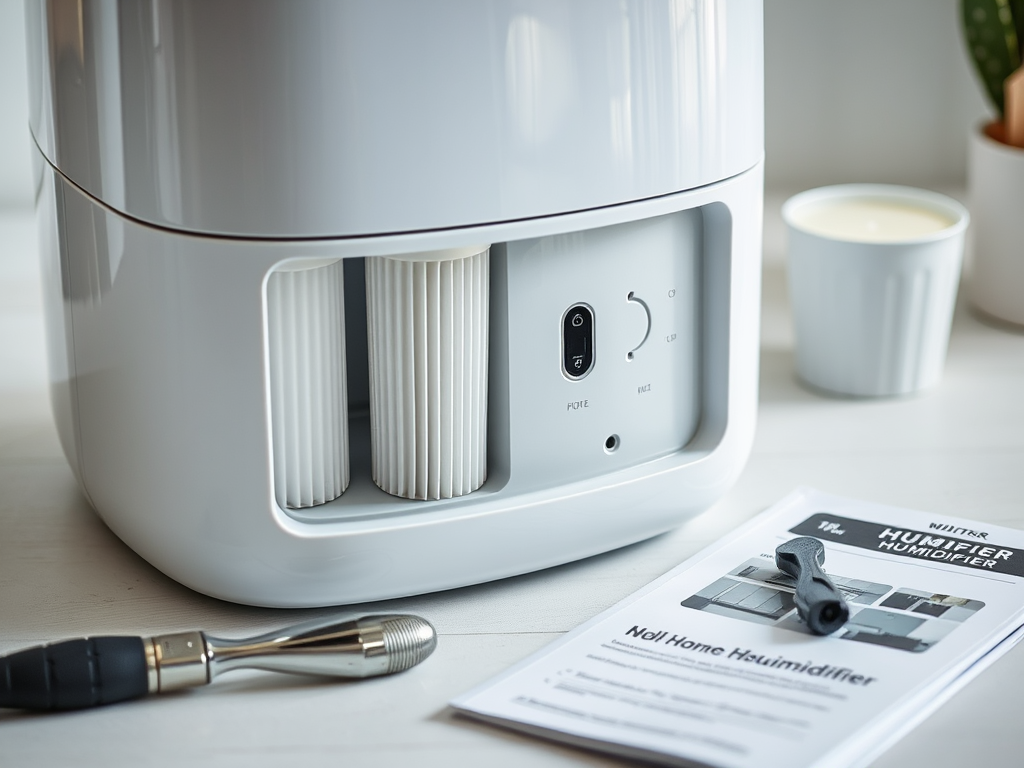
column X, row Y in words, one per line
column 873, row 277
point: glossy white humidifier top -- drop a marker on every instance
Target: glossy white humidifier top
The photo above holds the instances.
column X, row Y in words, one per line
column 327, row 118
column 610, row 155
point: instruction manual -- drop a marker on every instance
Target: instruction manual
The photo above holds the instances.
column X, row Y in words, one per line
column 711, row 664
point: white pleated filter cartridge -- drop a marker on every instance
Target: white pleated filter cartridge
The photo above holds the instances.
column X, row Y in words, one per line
column 427, row 323
column 308, row 398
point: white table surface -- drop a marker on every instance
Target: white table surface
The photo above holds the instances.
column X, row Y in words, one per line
column 957, row 450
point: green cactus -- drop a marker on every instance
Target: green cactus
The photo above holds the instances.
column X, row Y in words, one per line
column 1017, row 11
column 993, row 40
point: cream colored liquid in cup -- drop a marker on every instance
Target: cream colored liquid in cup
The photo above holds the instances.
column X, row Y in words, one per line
column 870, row 221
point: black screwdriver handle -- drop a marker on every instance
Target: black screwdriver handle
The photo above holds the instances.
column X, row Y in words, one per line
column 74, row 674
column 819, row 603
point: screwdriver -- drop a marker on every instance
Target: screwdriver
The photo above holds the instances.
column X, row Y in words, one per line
column 92, row 671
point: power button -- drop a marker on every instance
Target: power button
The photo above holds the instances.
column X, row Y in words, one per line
column 578, row 341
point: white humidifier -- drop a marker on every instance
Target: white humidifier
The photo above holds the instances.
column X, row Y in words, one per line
column 353, row 300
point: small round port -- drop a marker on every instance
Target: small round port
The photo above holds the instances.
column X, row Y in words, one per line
column 611, row 444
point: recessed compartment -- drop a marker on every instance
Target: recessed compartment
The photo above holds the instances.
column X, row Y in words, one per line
column 639, row 288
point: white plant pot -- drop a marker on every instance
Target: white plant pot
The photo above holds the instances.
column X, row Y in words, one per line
column 995, row 182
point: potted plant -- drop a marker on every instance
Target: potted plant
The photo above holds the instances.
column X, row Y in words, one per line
column 994, row 35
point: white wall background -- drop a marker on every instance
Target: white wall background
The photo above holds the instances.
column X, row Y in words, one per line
column 867, row 90
column 855, row 90
column 15, row 143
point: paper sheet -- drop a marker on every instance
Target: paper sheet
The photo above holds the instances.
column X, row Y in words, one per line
column 711, row 663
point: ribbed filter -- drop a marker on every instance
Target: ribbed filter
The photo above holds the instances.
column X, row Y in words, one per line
column 427, row 317
column 308, row 399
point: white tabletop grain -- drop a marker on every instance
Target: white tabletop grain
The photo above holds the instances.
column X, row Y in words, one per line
column 956, row 450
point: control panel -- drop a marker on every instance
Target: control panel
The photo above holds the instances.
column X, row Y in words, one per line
column 603, row 346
